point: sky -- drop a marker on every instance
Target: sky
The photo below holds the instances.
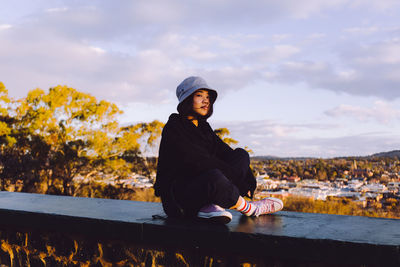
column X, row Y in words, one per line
column 309, row 78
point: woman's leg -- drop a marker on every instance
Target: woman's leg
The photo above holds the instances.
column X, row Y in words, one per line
column 246, row 182
column 211, row 187
column 239, row 159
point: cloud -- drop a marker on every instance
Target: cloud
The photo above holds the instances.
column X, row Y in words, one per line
column 142, row 53
column 374, row 5
column 316, row 36
column 271, row 128
column 348, row 145
column 383, row 53
column 381, row 112
column 139, row 51
column 280, row 37
column 5, row 26
column 268, row 55
column 98, row 20
column 362, row 30
column 56, row 9
column 150, row 74
column 47, row 62
column 362, row 69
column 286, row 140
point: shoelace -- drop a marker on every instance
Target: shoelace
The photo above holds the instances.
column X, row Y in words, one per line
column 265, row 206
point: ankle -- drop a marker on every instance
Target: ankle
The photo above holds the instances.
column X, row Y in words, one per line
column 246, row 208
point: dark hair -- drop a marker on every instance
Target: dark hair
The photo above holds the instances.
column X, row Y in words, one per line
column 185, row 108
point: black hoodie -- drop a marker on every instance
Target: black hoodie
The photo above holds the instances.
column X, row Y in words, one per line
column 187, row 151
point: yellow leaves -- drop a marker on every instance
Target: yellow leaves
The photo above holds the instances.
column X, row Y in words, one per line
column 147, row 133
column 128, row 140
column 35, row 96
column 117, row 164
column 248, row 150
column 104, row 108
column 59, row 96
column 4, row 100
column 230, row 141
column 4, row 129
column 4, row 93
column 99, row 143
column 66, row 113
column 73, row 105
column 221, row 132
column 153, row 130
column 224, row 133
column 3, row 88
column 72, row 129
column 112, row 126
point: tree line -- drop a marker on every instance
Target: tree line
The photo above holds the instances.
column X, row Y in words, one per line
column 328, row 169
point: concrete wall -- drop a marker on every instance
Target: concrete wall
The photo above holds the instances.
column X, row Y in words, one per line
column 43, row 230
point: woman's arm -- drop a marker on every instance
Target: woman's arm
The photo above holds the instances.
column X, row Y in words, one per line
column 192, row 157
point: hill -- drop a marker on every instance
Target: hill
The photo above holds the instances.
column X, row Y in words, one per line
column 389, row 154
column 279, row 158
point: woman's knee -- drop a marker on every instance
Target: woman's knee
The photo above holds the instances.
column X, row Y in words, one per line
column 220, row 189
column 239, row 159
column 215, row 176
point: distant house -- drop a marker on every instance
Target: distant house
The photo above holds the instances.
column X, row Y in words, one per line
column 393, row 187
column 373, row 191
column 354, row 184
column 373, row 196
column 361, row 173
column 358, row 172
column 293, row 179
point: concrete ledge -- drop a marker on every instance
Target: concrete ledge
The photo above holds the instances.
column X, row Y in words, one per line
column 288, row 237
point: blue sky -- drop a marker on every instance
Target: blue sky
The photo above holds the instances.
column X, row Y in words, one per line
column 295, row 78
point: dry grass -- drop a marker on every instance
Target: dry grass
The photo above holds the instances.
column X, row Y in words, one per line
column 340, row 207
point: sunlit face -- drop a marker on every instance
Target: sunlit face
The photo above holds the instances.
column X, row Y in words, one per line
column 201, row 102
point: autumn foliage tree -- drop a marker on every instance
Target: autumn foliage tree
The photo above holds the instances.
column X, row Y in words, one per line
column 50, row 137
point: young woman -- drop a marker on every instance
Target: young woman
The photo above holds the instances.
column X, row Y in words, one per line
column 197, row 173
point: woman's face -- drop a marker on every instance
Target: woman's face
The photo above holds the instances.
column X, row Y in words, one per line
column 201, row 102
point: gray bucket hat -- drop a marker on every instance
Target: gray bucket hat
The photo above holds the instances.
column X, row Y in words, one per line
column 190, row 85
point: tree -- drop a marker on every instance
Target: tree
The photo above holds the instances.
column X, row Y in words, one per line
column 8, row 162
column 131, row 139
column 47, row 138
column 76, row 127
column 5, row 130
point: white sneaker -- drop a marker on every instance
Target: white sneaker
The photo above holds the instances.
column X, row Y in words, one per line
column 214, row 213
column 267, row 205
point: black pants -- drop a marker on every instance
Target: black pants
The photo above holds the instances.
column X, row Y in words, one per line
column 213, row 187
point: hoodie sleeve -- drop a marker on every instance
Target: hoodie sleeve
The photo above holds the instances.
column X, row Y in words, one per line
column 191, row 158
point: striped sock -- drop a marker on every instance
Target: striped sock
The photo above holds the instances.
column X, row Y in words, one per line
column 246, row 208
